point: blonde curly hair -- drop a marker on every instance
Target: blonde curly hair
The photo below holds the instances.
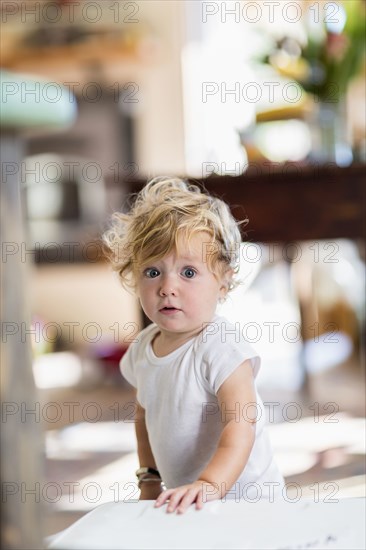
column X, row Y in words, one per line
column 164, row 211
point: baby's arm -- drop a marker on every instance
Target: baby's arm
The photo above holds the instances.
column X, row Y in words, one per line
column 234, row 447
column 238, row 436
column 149, row 490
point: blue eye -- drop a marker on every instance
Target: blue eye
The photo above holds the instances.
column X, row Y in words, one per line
column 151, row 272
column 189, row 272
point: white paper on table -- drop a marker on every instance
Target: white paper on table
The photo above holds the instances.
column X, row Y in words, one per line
column 220, row 525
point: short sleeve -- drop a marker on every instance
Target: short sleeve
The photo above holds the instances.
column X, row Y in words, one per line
column 221, row 358
column 127, row 366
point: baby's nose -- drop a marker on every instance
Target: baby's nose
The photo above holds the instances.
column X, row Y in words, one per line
column 166, row 291
column 168, row 286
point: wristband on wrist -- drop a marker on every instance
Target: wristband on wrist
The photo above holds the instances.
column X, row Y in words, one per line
column 147, row 470
column 145, row 474
column 151, row 480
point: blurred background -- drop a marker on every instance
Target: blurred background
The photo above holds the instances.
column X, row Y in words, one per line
column 263, row 103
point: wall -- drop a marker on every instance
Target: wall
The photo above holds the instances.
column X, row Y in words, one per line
column 83, row 293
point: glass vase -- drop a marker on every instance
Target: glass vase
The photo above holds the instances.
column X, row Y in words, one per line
column 329, row 135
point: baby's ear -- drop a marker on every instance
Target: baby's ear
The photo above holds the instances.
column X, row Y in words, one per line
column 229, row 275
column 226, row 279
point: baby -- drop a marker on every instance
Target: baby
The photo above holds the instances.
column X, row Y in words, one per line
column 199, row 421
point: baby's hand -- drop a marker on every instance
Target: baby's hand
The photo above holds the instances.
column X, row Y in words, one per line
column 182, row 497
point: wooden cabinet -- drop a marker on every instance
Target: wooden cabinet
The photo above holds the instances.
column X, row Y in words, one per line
column 293, row 203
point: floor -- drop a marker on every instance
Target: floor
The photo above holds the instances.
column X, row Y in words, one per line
column 318, row 436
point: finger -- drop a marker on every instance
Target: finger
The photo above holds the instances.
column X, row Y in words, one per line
column 199, row 501
column 175, row 499
column 187, row 500
column 163, row 497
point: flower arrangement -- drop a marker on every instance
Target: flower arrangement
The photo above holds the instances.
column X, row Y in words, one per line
column 332, row 53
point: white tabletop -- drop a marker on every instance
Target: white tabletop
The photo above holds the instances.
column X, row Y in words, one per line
column 226, row 525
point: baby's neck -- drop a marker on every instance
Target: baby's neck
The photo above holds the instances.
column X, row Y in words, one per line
column 164, row 342
column 163, row 345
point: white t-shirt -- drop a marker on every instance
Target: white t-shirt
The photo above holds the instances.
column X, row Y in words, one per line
column 183, row 418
